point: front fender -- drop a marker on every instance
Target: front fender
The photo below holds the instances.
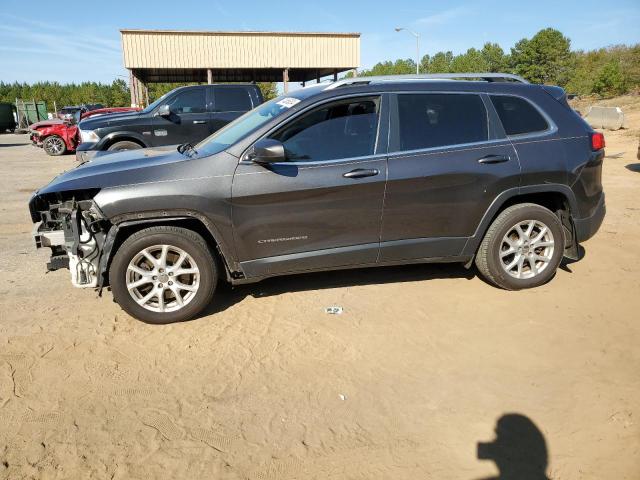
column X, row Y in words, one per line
column 148, row 219
column 118, row 136
column 67, row 133
column 201, row 195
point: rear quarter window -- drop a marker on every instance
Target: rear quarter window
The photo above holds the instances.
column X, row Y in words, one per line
column 518, row 116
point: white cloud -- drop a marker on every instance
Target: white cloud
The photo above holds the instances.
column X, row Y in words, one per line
column 444, row 16
column 85, row 54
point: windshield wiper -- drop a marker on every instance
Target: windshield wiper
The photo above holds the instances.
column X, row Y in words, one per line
column 187, row 149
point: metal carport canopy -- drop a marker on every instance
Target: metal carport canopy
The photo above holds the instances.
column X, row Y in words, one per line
column 201, row 56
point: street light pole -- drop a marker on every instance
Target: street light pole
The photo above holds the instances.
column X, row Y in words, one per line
column 417, row 35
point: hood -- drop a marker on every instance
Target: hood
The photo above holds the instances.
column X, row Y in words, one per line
column 109, row 111
column 123, row 168
column 45, row 123
column 102, row 121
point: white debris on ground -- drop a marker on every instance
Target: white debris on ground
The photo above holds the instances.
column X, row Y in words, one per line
column 335, row 310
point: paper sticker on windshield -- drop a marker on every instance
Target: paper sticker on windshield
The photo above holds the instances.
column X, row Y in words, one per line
column 287, row 102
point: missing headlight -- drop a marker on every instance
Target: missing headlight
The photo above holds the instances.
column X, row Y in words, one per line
column 75, row 231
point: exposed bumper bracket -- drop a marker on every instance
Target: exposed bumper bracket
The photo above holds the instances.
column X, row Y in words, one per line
column 47, row 238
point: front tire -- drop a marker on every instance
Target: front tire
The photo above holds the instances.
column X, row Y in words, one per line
column 163, row 275
column 124, row 145
column 522, row 248
column 54, row 146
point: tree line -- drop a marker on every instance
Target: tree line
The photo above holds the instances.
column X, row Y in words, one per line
column 545, row 58
column 115, row 94
column 156, row 90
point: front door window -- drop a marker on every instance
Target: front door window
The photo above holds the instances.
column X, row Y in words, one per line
column 343, row 129
column 189, row 101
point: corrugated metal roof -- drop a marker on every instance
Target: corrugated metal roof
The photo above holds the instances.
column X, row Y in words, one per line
column 242, row 32
column 144, row 49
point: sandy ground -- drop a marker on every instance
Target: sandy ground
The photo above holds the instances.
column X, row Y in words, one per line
column 403, row 385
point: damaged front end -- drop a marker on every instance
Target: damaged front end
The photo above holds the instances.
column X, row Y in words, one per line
column 74, row 228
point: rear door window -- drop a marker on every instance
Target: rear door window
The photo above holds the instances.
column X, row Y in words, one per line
column 232, row 99
column 437, row 120
column 518, row 116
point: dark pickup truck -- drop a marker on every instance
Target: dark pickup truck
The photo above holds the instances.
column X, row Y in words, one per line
column 184, row 115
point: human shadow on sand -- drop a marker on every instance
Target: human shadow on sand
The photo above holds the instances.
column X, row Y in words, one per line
column 519, row 449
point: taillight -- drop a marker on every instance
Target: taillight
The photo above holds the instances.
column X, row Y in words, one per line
column 597, row 141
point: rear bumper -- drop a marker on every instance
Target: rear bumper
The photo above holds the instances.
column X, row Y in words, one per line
column 587, row 227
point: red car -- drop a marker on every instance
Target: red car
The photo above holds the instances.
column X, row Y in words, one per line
column 61, row 136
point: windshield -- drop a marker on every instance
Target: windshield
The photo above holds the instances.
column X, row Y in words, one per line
column 156, row 103
column 245, row 124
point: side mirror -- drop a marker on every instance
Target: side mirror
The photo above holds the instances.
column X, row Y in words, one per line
column 164, row 111
column 268, row 151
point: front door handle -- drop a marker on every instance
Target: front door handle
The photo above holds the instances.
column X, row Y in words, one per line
column 199, row 121
column 494, row 159
column 361, row 173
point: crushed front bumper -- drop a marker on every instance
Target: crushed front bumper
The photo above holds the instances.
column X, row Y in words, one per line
column 35, row 138
column 75, row 233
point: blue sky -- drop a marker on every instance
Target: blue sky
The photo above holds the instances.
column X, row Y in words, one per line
column 81, row 41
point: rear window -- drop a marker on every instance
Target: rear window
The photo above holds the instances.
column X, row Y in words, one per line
column 232, row 99
column 518, row 116
column 437, row 120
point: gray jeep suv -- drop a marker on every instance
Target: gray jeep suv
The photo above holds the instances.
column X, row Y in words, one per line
column 361, row 172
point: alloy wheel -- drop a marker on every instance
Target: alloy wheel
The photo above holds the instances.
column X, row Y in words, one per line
column 55, row 145
column 162, row 278
column 526, row 249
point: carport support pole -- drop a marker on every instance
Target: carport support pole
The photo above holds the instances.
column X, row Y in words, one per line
column 137, row 89
column 285, row 80
column 335, row 75
column 132, row 88
column 209, row 76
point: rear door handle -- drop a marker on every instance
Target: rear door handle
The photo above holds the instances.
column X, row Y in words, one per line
column 199, row 121
column 361, row 173
column 494, row 159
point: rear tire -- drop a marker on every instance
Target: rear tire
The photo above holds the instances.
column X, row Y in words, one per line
column 146, row 279
column 54, row 146
column 522, row 248
column 124, row 145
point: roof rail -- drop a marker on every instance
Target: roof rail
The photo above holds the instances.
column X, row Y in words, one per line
column 485, row 77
